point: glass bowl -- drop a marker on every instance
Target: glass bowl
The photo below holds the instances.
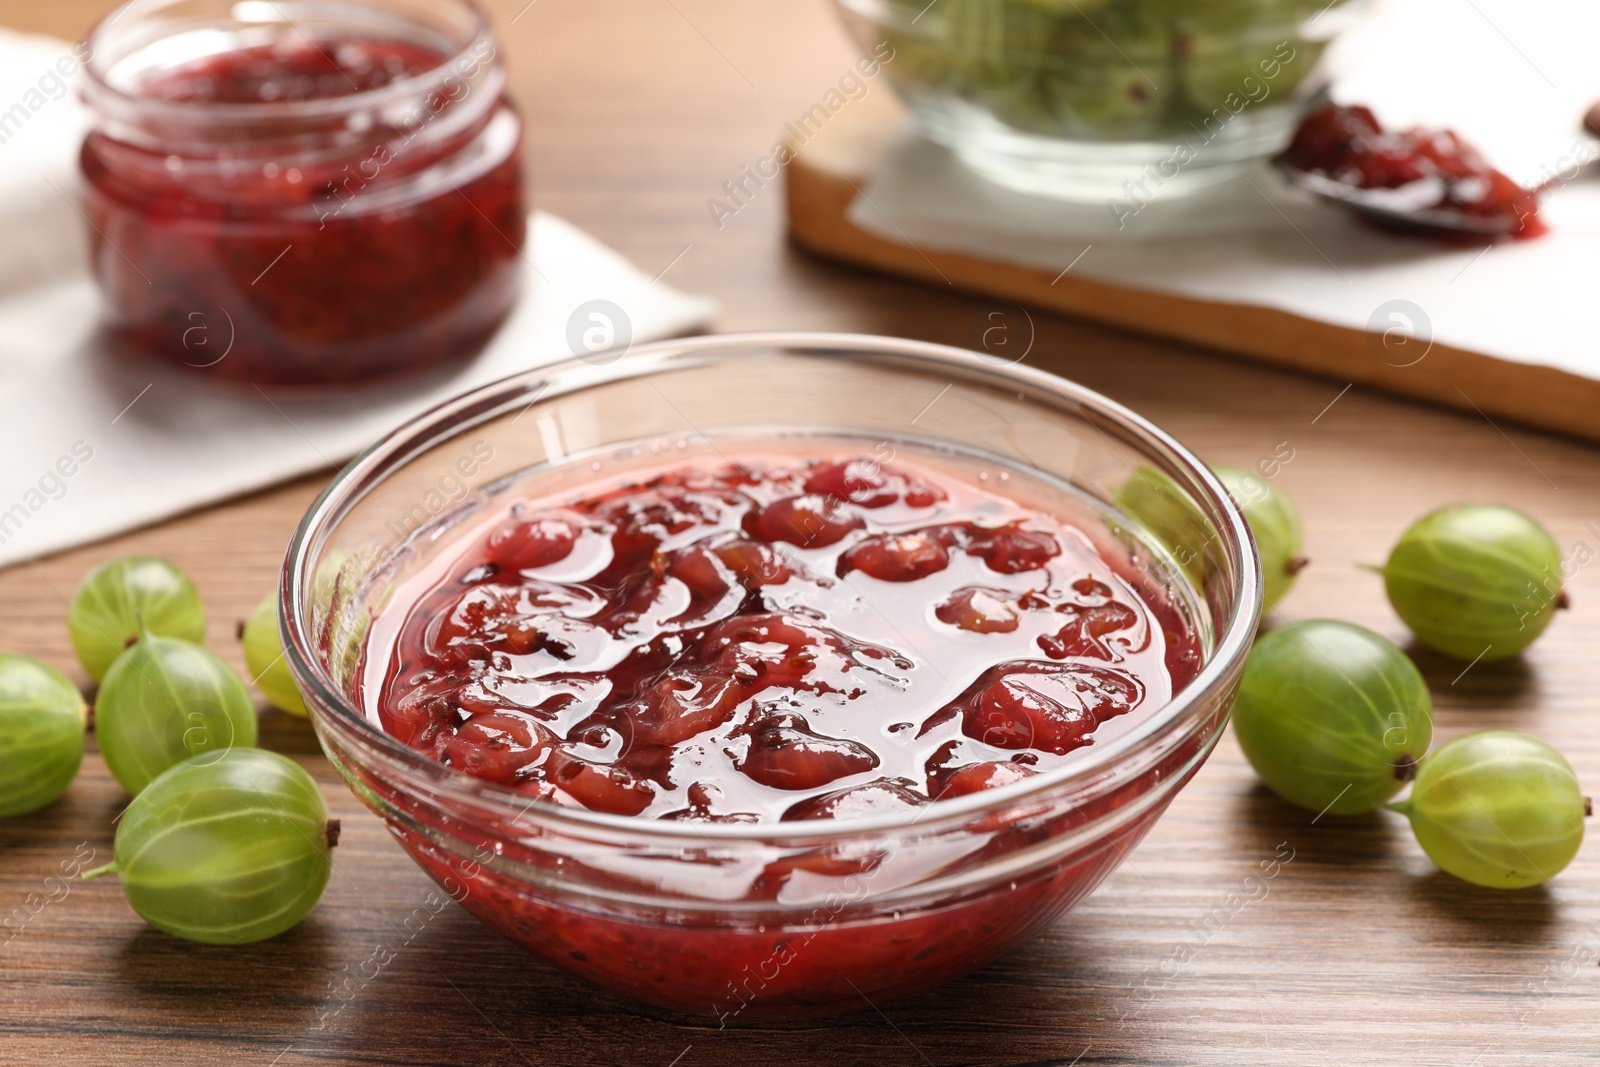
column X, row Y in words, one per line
column 739, row 922
column 1104, row 99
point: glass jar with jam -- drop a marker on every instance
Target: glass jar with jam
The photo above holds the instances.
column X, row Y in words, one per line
column 302, row 194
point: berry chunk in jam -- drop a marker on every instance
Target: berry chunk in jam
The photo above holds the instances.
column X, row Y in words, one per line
column 785, row 638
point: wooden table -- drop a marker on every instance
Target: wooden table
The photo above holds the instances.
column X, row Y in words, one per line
column 1359, row 953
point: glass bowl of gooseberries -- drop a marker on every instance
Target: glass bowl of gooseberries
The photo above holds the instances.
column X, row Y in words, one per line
column 846, row 899
column 1105, row 101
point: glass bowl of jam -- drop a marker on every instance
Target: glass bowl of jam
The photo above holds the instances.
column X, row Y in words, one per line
column 307, row 194
column 769, row 675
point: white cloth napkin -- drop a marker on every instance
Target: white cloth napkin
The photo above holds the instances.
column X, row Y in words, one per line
column 1513, row 78
column 90, row 446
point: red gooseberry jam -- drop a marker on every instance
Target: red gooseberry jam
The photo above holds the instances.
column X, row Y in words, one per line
column 1347, row 144
column 805, row 635
column 776, row 639
column 288, row 213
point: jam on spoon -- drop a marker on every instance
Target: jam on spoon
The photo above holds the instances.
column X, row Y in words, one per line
column 1418, row 180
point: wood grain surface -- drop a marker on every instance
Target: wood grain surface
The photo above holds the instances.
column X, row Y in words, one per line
column 1358, row 952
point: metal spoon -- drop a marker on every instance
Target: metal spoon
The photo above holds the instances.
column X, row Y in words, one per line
column 1407, row 206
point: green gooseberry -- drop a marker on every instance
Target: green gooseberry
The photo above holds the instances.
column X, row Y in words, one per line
column 1000, row 46
column 1498, row 809
column 1241, row 11
column 338, row 610
column 922, row 54
column 1067, row 8
column 1105, row 80
column 1332, row 717
column 1234, row 57
column 225, row 849
column 264, row 659
column 42, row 719
column 1475, row 581
column 114, row 599
column 1276, row 526
column 165, row 700
column 1220, row 73
column 1028, row 109
column 1155, row 501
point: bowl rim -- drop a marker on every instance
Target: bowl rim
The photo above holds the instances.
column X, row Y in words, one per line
column 496, row 398
column 479, row 33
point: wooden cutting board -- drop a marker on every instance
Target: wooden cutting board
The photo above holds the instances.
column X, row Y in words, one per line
column 829, row 170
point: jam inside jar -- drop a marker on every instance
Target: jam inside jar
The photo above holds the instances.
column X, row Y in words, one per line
column 313, row 194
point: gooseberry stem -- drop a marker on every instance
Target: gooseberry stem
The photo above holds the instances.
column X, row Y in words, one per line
column 1401, row 806
column 1373, row 567
column 100, row 872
